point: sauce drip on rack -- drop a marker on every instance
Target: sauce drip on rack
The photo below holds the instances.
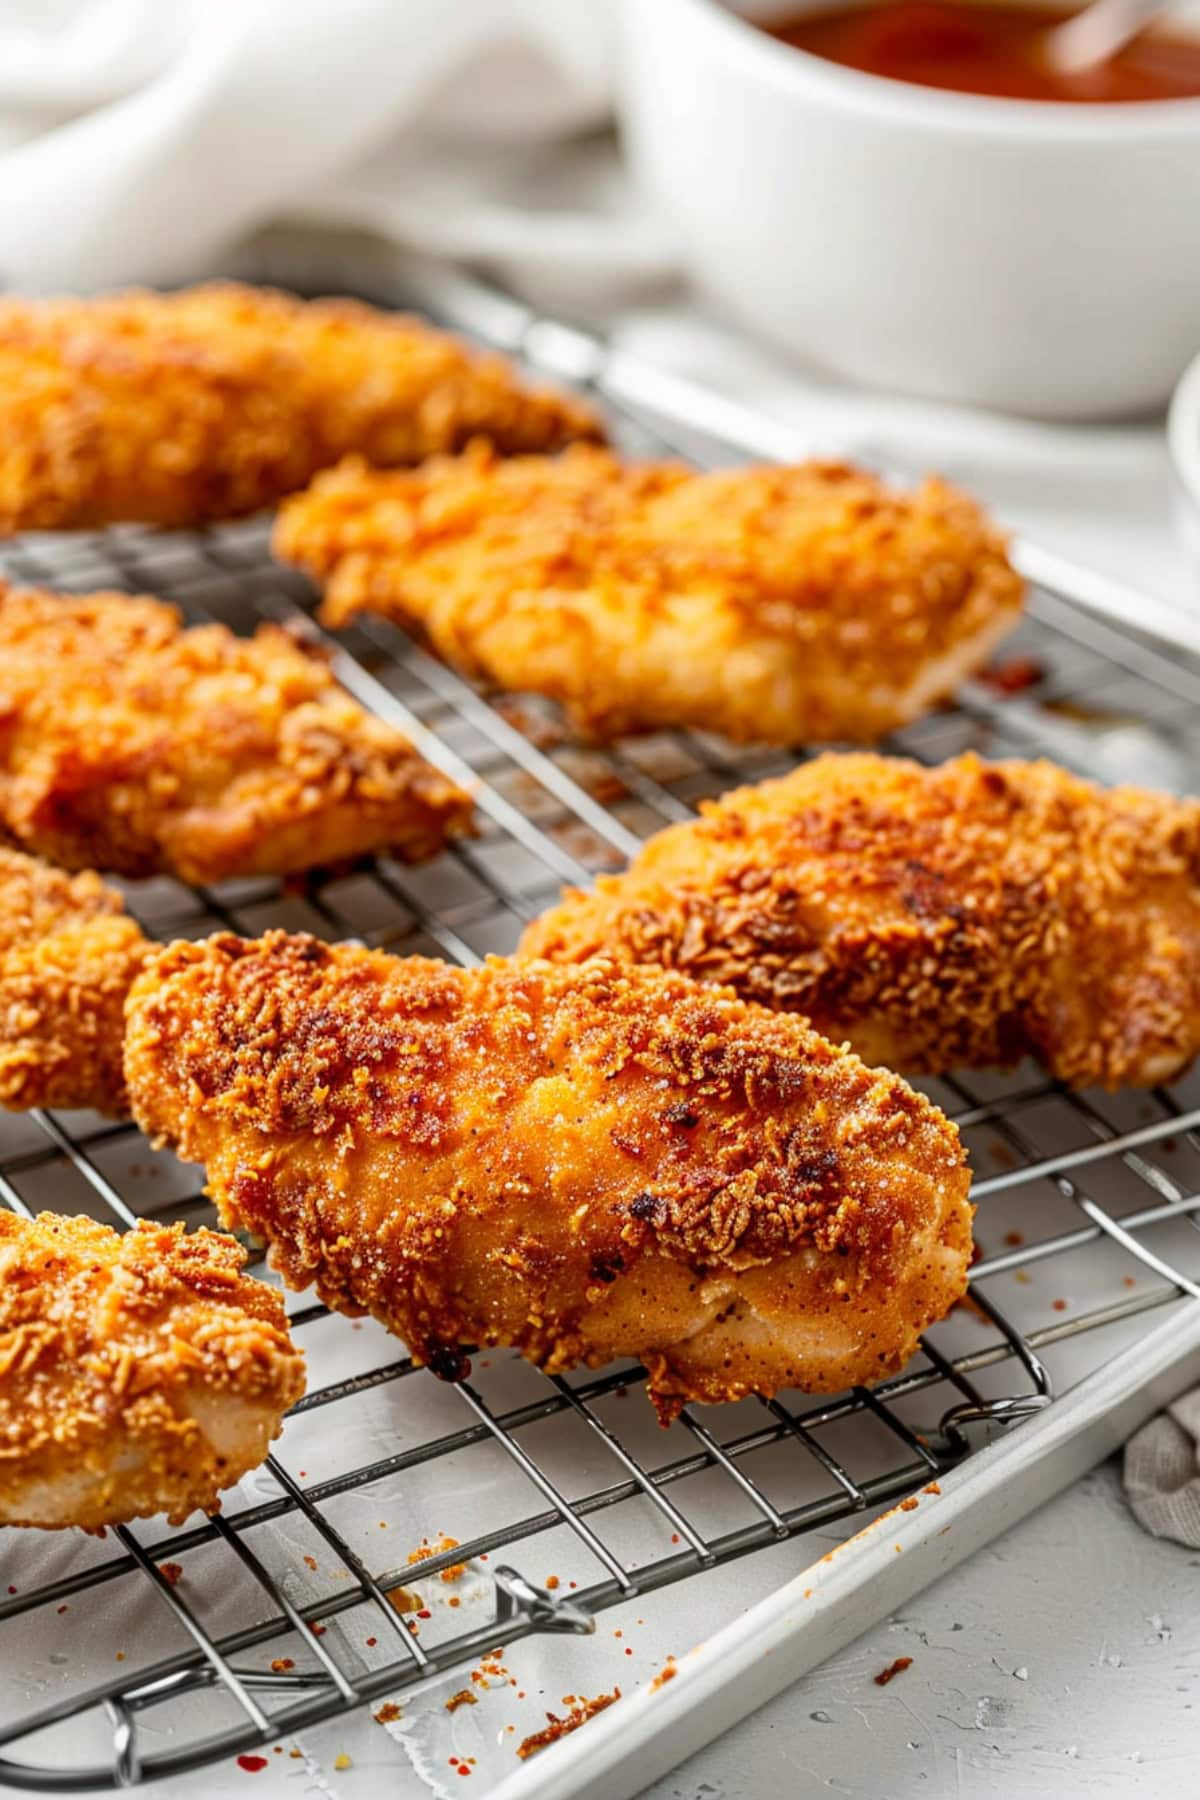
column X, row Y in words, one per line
column 988, row 49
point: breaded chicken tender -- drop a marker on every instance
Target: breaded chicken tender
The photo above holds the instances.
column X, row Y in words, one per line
column 783, row 604
column 969, row 914
column 128, row 743
column 583, row 1163
column 215, row 401
column 68, row 953
column 139, row 1374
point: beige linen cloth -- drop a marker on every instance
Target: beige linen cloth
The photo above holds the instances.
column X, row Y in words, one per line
column 1162, row 1473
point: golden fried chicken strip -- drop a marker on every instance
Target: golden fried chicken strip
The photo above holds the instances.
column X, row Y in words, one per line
column 139, row 1374
column 972, row 913
column 785, row 604
column 582, row 1163
column 215, row 401
column 68, row 953
column 131, row 744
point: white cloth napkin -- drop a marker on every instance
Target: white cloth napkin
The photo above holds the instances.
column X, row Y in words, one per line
column 1162, row 1473
column 143, row 138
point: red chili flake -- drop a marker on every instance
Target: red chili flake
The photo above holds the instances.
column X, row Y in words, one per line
column 371, row 1643
column 63, row 1607
column 281, row 1664
column 893, row 1669
column 463, row 1769
column 11, row 1588
column 388, row 1712
column 318, row 1630
column 252, row 1764
column 171, row 1572
column 1129, row 1281
column 310, row 1562
column 551, row 1582
column 304, row 1474
column 674, row 1537
column 569, row 1584
column 628, row 1651
column 1015, row 1238
column 1059, row 1305
column 424, row 1613
column 1013, row 676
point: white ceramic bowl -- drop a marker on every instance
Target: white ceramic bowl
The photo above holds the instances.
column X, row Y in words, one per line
column 1035, row 257
column 1183, row 440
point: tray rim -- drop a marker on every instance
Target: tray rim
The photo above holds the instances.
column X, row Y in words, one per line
column 772, row 1645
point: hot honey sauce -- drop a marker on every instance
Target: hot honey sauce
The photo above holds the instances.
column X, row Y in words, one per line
column 996, row 50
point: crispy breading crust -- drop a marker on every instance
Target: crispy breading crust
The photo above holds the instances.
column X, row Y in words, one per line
column 68, row 953
column 583, row 1163
column 215, row 401
column 138, row 1374
column 972, row 913
column 787, row 604
column 129, row 743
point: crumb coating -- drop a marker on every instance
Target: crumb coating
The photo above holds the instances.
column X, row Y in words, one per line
column 129, row 743
column 175, row 408
column 68, row 953
column 786, row 604
column 583, row 1163
column 968, row 914
column 139, row 1373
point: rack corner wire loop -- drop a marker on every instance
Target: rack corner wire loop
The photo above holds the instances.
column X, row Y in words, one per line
column 1113, row 1182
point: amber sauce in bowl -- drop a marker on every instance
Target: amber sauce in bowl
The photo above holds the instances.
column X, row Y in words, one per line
column 995, row 50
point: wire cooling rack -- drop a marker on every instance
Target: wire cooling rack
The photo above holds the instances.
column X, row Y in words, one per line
column 237, row 1636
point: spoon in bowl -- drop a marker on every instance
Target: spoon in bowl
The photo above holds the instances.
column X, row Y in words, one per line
column 1088, row 40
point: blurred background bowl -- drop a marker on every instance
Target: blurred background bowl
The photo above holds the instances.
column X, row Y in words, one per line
column 1183, row 442
column 1035, row 257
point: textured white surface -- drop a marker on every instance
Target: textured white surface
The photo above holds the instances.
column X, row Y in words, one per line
column 1064, row 1660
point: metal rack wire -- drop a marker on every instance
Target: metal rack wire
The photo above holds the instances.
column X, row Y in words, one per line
column 1113, row 1182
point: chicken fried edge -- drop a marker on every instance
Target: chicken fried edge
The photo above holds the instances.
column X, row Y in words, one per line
column 139, row 1373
